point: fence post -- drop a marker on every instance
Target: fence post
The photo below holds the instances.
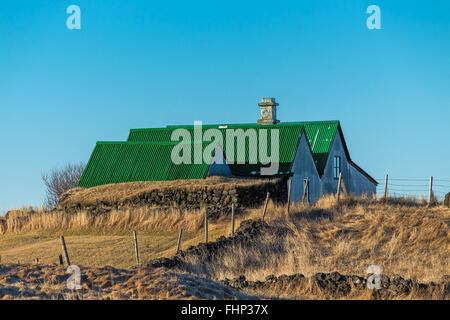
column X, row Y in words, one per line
column 265, row 206
column 36, row 260
column 206, row 226
column 179, row 240
column 344, row 189
column 136, row 251
column 305, row 189
column 289, row 195
column 232, row 219
column 430, row 196
column 385, row 188
column 61, row 262
column 338, row 191
column 66, row 255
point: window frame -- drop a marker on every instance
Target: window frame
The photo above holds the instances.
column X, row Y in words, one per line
column 337, row 167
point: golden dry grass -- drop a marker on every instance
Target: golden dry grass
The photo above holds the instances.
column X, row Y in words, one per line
column 143, row 219
column 102, row 239
column 403, row 238
column 50, row 282
column 97, row 249
column 409, row 240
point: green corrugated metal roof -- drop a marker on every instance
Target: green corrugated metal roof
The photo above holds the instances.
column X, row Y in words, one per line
column 320, row 135
column 116, row 162
column 146, row 156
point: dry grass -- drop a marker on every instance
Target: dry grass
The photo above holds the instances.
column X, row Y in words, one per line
column 97, row 250
column 406, row 239
column 121, row 192
column 401, row 236
column 101, row 239
column 49, row 282
column 143, row 219
column 98, row 247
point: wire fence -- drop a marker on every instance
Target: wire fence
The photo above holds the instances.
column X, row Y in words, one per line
column 418, row 188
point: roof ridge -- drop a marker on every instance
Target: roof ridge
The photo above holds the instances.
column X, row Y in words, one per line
column 255, row 125
column 169, row 143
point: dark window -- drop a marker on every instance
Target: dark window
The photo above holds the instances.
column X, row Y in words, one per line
column 336, row 167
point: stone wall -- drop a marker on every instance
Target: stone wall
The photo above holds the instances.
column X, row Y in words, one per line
column 217, row 199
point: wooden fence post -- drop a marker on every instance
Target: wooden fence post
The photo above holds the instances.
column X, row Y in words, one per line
column 430, row 196
column 136, row 250
column 338, row 191
column 265, row 206
column 36, row 260
column 344, row 189
column 232, row 218
column 61, row 262
column 385, row 188
column 305, row 189
column 206, row 226
column 180, row 236
column 289, row 195
column 66, row 255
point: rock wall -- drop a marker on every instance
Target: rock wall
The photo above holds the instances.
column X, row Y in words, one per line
column 217, row 199
column 337, row 286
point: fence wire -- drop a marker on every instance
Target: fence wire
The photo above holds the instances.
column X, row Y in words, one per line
column 418, row 188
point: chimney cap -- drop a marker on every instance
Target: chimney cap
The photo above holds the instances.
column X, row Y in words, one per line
column 267, row 102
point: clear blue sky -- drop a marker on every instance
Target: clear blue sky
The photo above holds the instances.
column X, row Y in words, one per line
column 151, row 63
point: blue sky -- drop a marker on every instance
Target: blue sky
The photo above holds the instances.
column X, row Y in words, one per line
column 140, row 64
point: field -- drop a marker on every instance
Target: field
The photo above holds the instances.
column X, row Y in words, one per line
column 402, row 237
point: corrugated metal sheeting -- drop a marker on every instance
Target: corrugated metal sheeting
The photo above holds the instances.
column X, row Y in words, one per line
column 320, row 136
column 116, row 162
column 146, row 156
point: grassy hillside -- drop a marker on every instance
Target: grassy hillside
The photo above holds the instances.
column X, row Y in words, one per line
column 101, row 240
column 18, row 281
column 347, row 237
column 403, row 238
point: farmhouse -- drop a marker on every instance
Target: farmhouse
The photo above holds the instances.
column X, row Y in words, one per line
column 312, row 154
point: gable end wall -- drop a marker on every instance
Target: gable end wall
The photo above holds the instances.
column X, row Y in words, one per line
column 355, row 182
column 303, row 166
